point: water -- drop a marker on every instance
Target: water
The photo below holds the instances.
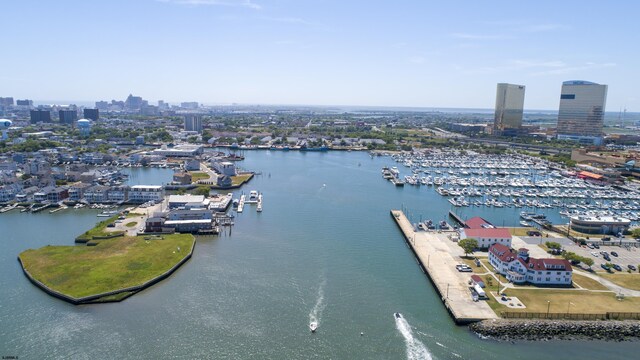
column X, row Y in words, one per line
column 249, row 294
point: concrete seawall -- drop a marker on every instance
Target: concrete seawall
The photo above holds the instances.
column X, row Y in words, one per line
column 95, row 298
column 436, row 261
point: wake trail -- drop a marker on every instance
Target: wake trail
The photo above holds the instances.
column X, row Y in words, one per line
column 316, row 313
column 415, row 348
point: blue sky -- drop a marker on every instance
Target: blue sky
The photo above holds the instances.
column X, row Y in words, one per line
column 322, row 52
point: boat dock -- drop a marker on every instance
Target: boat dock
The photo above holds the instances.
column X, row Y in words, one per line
column 451, row 284
column 241, row 203
column 457, row 218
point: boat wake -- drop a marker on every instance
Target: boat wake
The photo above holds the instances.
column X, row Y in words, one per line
column 415, row 348
column 316, row 313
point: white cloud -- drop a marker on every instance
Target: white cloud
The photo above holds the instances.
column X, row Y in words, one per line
column 234, row 3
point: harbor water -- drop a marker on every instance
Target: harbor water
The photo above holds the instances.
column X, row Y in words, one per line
column 324, row 248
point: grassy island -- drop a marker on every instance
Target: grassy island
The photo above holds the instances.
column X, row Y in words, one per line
column 110, row 271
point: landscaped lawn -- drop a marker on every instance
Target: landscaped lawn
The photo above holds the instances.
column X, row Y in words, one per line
column 239, row 179
column 198, row 175
column 131, row 224
column 112, row 264
column 630, row 281
column 100, row 229
column 587, row 283
column 573, row 301
column 521, row 231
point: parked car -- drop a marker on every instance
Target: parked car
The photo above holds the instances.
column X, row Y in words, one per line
column 595, row 254
column 632, row 268
column 606, row 257
column 604, row 266
column 575, row 262
column 614, row 253
column 590, row 246
column 617, row 267
column 596, row 246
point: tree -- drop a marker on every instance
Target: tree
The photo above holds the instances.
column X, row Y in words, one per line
column 202, row 190
column 553, row 245
column 587, row 261
column 636, row 233
column 468, row 245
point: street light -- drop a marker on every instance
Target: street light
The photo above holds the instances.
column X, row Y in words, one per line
column 548, row 306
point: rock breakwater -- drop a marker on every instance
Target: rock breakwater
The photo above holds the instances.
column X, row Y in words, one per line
column 536, row 330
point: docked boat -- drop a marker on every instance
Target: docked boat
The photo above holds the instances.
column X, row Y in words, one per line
column 313, row 326
column 253, row 197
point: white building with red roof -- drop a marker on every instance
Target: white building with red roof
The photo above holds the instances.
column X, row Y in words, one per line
column 519, row 268
column 487, row 236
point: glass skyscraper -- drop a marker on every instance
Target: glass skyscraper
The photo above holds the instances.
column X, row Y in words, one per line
column 581, row 114
column 509, row 107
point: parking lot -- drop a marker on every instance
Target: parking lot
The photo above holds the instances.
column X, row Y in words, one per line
column 626, row 255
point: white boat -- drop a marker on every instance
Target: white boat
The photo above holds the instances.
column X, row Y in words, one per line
column 313, row 326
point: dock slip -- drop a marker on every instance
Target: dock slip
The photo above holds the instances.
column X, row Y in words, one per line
column 436, row 260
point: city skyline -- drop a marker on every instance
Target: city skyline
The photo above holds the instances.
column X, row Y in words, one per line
column 286, row 53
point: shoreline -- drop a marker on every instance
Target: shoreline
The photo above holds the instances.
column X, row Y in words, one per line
column 548, row 330
column 96, row 298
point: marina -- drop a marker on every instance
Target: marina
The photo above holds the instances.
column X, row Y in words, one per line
column 238, row 299
column 514, row 181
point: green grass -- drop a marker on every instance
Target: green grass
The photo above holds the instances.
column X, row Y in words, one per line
column 198, row 175
column 572, row 301
column 100, row 230
column 629, row 281
column 240, row 179
column 113, row 264
column 131, row 224
column 587, row 283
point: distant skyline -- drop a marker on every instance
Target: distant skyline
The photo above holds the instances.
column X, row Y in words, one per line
column 338, row 53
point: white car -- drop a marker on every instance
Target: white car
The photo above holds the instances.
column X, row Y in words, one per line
column 595, row 254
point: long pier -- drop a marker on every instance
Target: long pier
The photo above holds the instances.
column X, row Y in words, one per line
column 457, row 218
column 436, row 260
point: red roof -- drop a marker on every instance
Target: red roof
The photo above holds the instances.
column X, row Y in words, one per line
column 476, row 222
column 488, row 233
column 590, row 175
column 476, row 278
column 507, row 255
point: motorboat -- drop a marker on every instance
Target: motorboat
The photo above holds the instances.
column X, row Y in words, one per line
column 397, row 315
column 313, row 326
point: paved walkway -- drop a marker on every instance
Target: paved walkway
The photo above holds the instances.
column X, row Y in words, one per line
column 438, row 261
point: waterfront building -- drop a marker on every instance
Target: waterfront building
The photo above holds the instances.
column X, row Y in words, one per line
column 92, row 114
column 224, row 168
column 181, row 150
column 599, row 224
column 581, row 113
column 509, row 107
column 68, row 116
column 96, row 194
column 118, row 194
column 487, row 237
column 192, row 165
column 182, row 178
column 187, row 201
column 193, row 123
column 519, row 268
column 40, row 115
column 144, row 193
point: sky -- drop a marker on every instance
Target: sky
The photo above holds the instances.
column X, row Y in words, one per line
column 419, row 53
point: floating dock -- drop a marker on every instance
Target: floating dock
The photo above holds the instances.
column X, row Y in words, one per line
column 241, row 203
column 438, row 263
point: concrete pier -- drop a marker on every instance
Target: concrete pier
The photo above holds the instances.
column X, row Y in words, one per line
column 437, row 262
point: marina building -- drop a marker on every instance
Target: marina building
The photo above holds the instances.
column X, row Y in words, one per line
column 226, row 168
column 487, row 237
column 519, row 268
column 509, row 107
column 187, row 201
column 581, row 113
column 599, row 224
column 182, row 150
column 144, row 193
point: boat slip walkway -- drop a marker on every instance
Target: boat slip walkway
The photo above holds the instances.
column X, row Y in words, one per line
column 438, row 263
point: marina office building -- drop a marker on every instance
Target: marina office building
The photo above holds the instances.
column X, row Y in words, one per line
column 509, row 107
column 581, row 113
